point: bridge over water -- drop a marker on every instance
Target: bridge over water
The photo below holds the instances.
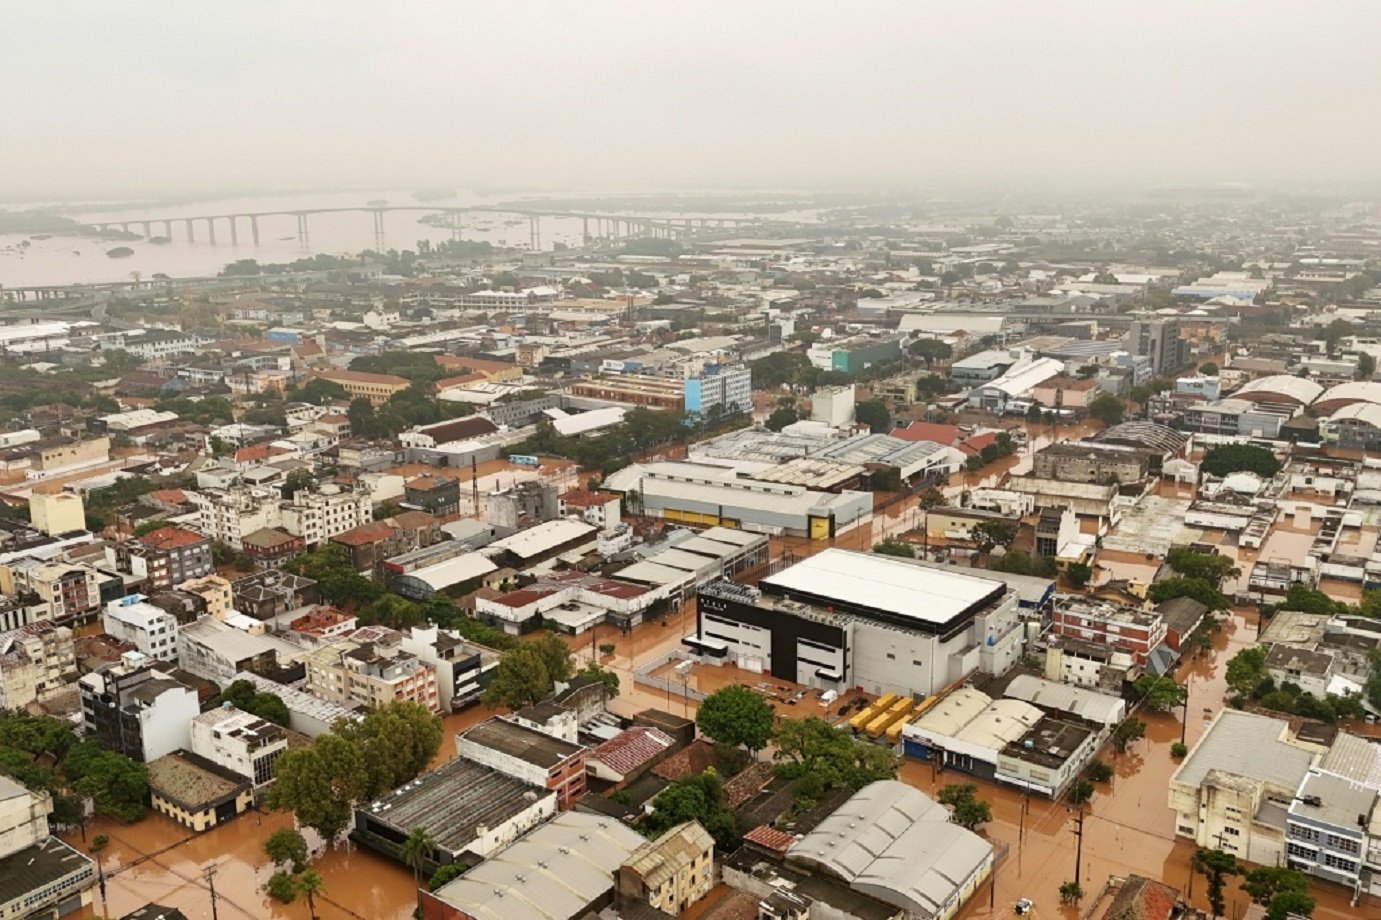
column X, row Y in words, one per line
column 606, row 226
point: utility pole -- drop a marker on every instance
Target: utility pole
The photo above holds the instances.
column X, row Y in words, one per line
column 1079, row 847
column 209, row 873
column 1184, row 722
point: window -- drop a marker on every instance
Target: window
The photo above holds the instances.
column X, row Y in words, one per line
column 1344, row 844
column 1232, row 832
column 1300, row 832
column 1339, row 863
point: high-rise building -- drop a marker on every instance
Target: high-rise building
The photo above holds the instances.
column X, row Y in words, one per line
column 728, row 387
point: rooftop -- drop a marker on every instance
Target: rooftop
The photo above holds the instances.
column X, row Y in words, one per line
column 630, row 749
column 170, row 538
column 1249, row 745
column 193, row 782
column 519, row 741
column 1334, row 800
column 34, row 868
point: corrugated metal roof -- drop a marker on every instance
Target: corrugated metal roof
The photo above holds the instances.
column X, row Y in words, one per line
column 1248, row 745
column 1080, row 701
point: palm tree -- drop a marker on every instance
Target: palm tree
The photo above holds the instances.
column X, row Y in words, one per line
column 416, row 851
column 310, row 883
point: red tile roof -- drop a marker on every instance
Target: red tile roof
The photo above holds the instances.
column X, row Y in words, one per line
column 630, row 749
column 769, row 838
column 365, row 534
column 1142, row 899
column 169, row 538
column 258, row 452
column 928, row 431
column 974, row 445
column 391, row 380
column 752, row 780
column 688, row 761
column 171, row 496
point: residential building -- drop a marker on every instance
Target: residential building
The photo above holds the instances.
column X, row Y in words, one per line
column 834, row 406
column 372, row 668
column 562, row 870
column 598, row 508
column 1127, row 629
column 69, row 594
column 1328, row 828
column 628, row 754
column 843, row 619
column 719, row 390
column 469, row 810
column 216, row 593
column 271, row 546
column 36, row 661
column 461, row 666
column 1088, row 664
column 166, row 557
column 228, row 515
column 215, row 651
column 370, row 544
column 195, row 792
column 137, row 710
column 1160, row 341
column 524, row 504
column 150, row 629
column 40, row 876
column 240, row 742
column 670, row 873
column 57, row 513
column 316, row 516
column 528, row 754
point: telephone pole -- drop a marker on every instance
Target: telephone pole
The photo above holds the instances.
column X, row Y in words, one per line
column 1079, row 846
column 1184, row 722
column 209, row 873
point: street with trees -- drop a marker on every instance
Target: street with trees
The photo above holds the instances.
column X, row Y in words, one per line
column 968, row 810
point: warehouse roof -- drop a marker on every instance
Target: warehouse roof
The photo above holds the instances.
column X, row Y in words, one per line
column 1080, row 701
column 454, row 571
column 999, row 724
column 1297, row 389
column 553, row 873
column 895, row 843
column 519, row 741
column 957, row 709
column 1246, row 744
column 886, row 584
column 542, row 538
column 1366, row 391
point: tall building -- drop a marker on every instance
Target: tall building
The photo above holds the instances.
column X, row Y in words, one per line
column 166, row 557
column 150, row 629
column 317, row 516
column 69, row 593
column 719, row 390
column 240, row 742
column 372, row 668
column 1159, row 340
column 57, row 512
column 36, row 661
column 137, row 710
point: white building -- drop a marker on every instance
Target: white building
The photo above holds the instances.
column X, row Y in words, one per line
column 150, row 629
column 318, row 516
column 135, row 709
column 230, row 514
column 36, row 661
column 834, row 405
column 239, row 741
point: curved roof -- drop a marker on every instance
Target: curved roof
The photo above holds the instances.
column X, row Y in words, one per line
column 1144, row 434
column 894, row 842
column 1003, row 722
column 1367, row 391
column 1367, row 412
column 1298, row 389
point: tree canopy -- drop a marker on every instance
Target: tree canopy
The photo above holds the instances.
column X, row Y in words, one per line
column 1222, row 459
column 695, row 798
column 968, row 809
column 814, row 746
column 875, row 415
column 1107, row 408
column 528, row 673
column 1158, row 692
column 737, row 716
column 244, row 696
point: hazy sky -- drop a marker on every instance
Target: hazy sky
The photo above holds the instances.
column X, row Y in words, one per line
column 143, row 96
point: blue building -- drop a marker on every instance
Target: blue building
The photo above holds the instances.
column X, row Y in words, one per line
column 729, row 387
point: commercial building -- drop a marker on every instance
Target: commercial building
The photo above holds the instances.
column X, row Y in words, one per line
column 1016, row 384
column 530, row 755
column 1331, row 827
column 439, row 495
column 894, row 843
column 967, row 730
column 572, row 600
column 36, row 661
column 132, row 708
column 684, row 560
column 460, row 666
column 57, row 513
column 843, row 619
column 377, row 388
column 240, row 742
column 372, row 668
column 195, row 792
column 40, row 876
column 1050, row 756
column 719, row 390
column 1137, row 632
column 1159, row 339
column 670, row 873
column 562, row 870
column 470, row 811
column 597, row 508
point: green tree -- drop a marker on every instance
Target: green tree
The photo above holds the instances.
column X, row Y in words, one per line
column 286, row 847
column 244, row 696
column 396, row 743
column 875, row 415
column 1080, row 791
column 1078, row 574
column 1196, row 588
column 991, row 534
column 814, row 746
column 555, row 655
column 117, row 785
column 610, row 680
column 1290, row 904
column 931, row 498
column 1178, row 750
column 930, row 351
column 1210, row 567
column 968, row 810
column 1208, row 369
column 1335, row 332
column 1265, row 882
column 893, row 546
column 310, row 884
column 1099, row 771
column 1107, row 408
column 520, row 679
column 735, row 715
column 282, row 887
column 1222, row 459
column 1071, row 892
column 320, row 784
column 444, row 875
column 417, row 851
column 782, row 417
column 1157, row 692
column 1246, row 671
column 337, row 581
column 319, row 391
column 695, row 798
column 1127, row 731
column 1366, row 366
column 1216, row 866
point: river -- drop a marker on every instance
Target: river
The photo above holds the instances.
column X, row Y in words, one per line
column 27, row 260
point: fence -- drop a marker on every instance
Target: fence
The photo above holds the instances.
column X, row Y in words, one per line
column 643, row 675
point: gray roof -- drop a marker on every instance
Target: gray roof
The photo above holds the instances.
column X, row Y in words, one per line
column 553, row 873
column 1342, row 802
column 1248, row 745
column 34, row 868
column 1354, row 757
column 895, row 843
column 529, row 744
column 1079, row 701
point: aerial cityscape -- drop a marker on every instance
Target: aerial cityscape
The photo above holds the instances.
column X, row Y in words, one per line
column 751, row 461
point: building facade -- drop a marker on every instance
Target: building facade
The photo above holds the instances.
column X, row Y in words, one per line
column 136, row 710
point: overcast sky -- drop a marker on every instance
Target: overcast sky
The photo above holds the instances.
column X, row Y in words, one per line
column 147, row 96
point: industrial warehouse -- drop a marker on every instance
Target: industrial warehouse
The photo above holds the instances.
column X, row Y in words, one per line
column 919, row 629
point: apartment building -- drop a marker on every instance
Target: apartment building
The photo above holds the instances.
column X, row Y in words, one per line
column 231, row 514
column 150, row 629
column 1127, row 629
column 670, row 873
column 69, row 593
column 41, row 875
column 598, row 508
column 36, row 660
column 136, row 709
column 240, row 742
column 318, row 516
column 719, row 390
column 166, row 557
column 372, row 668
column 459, row 664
